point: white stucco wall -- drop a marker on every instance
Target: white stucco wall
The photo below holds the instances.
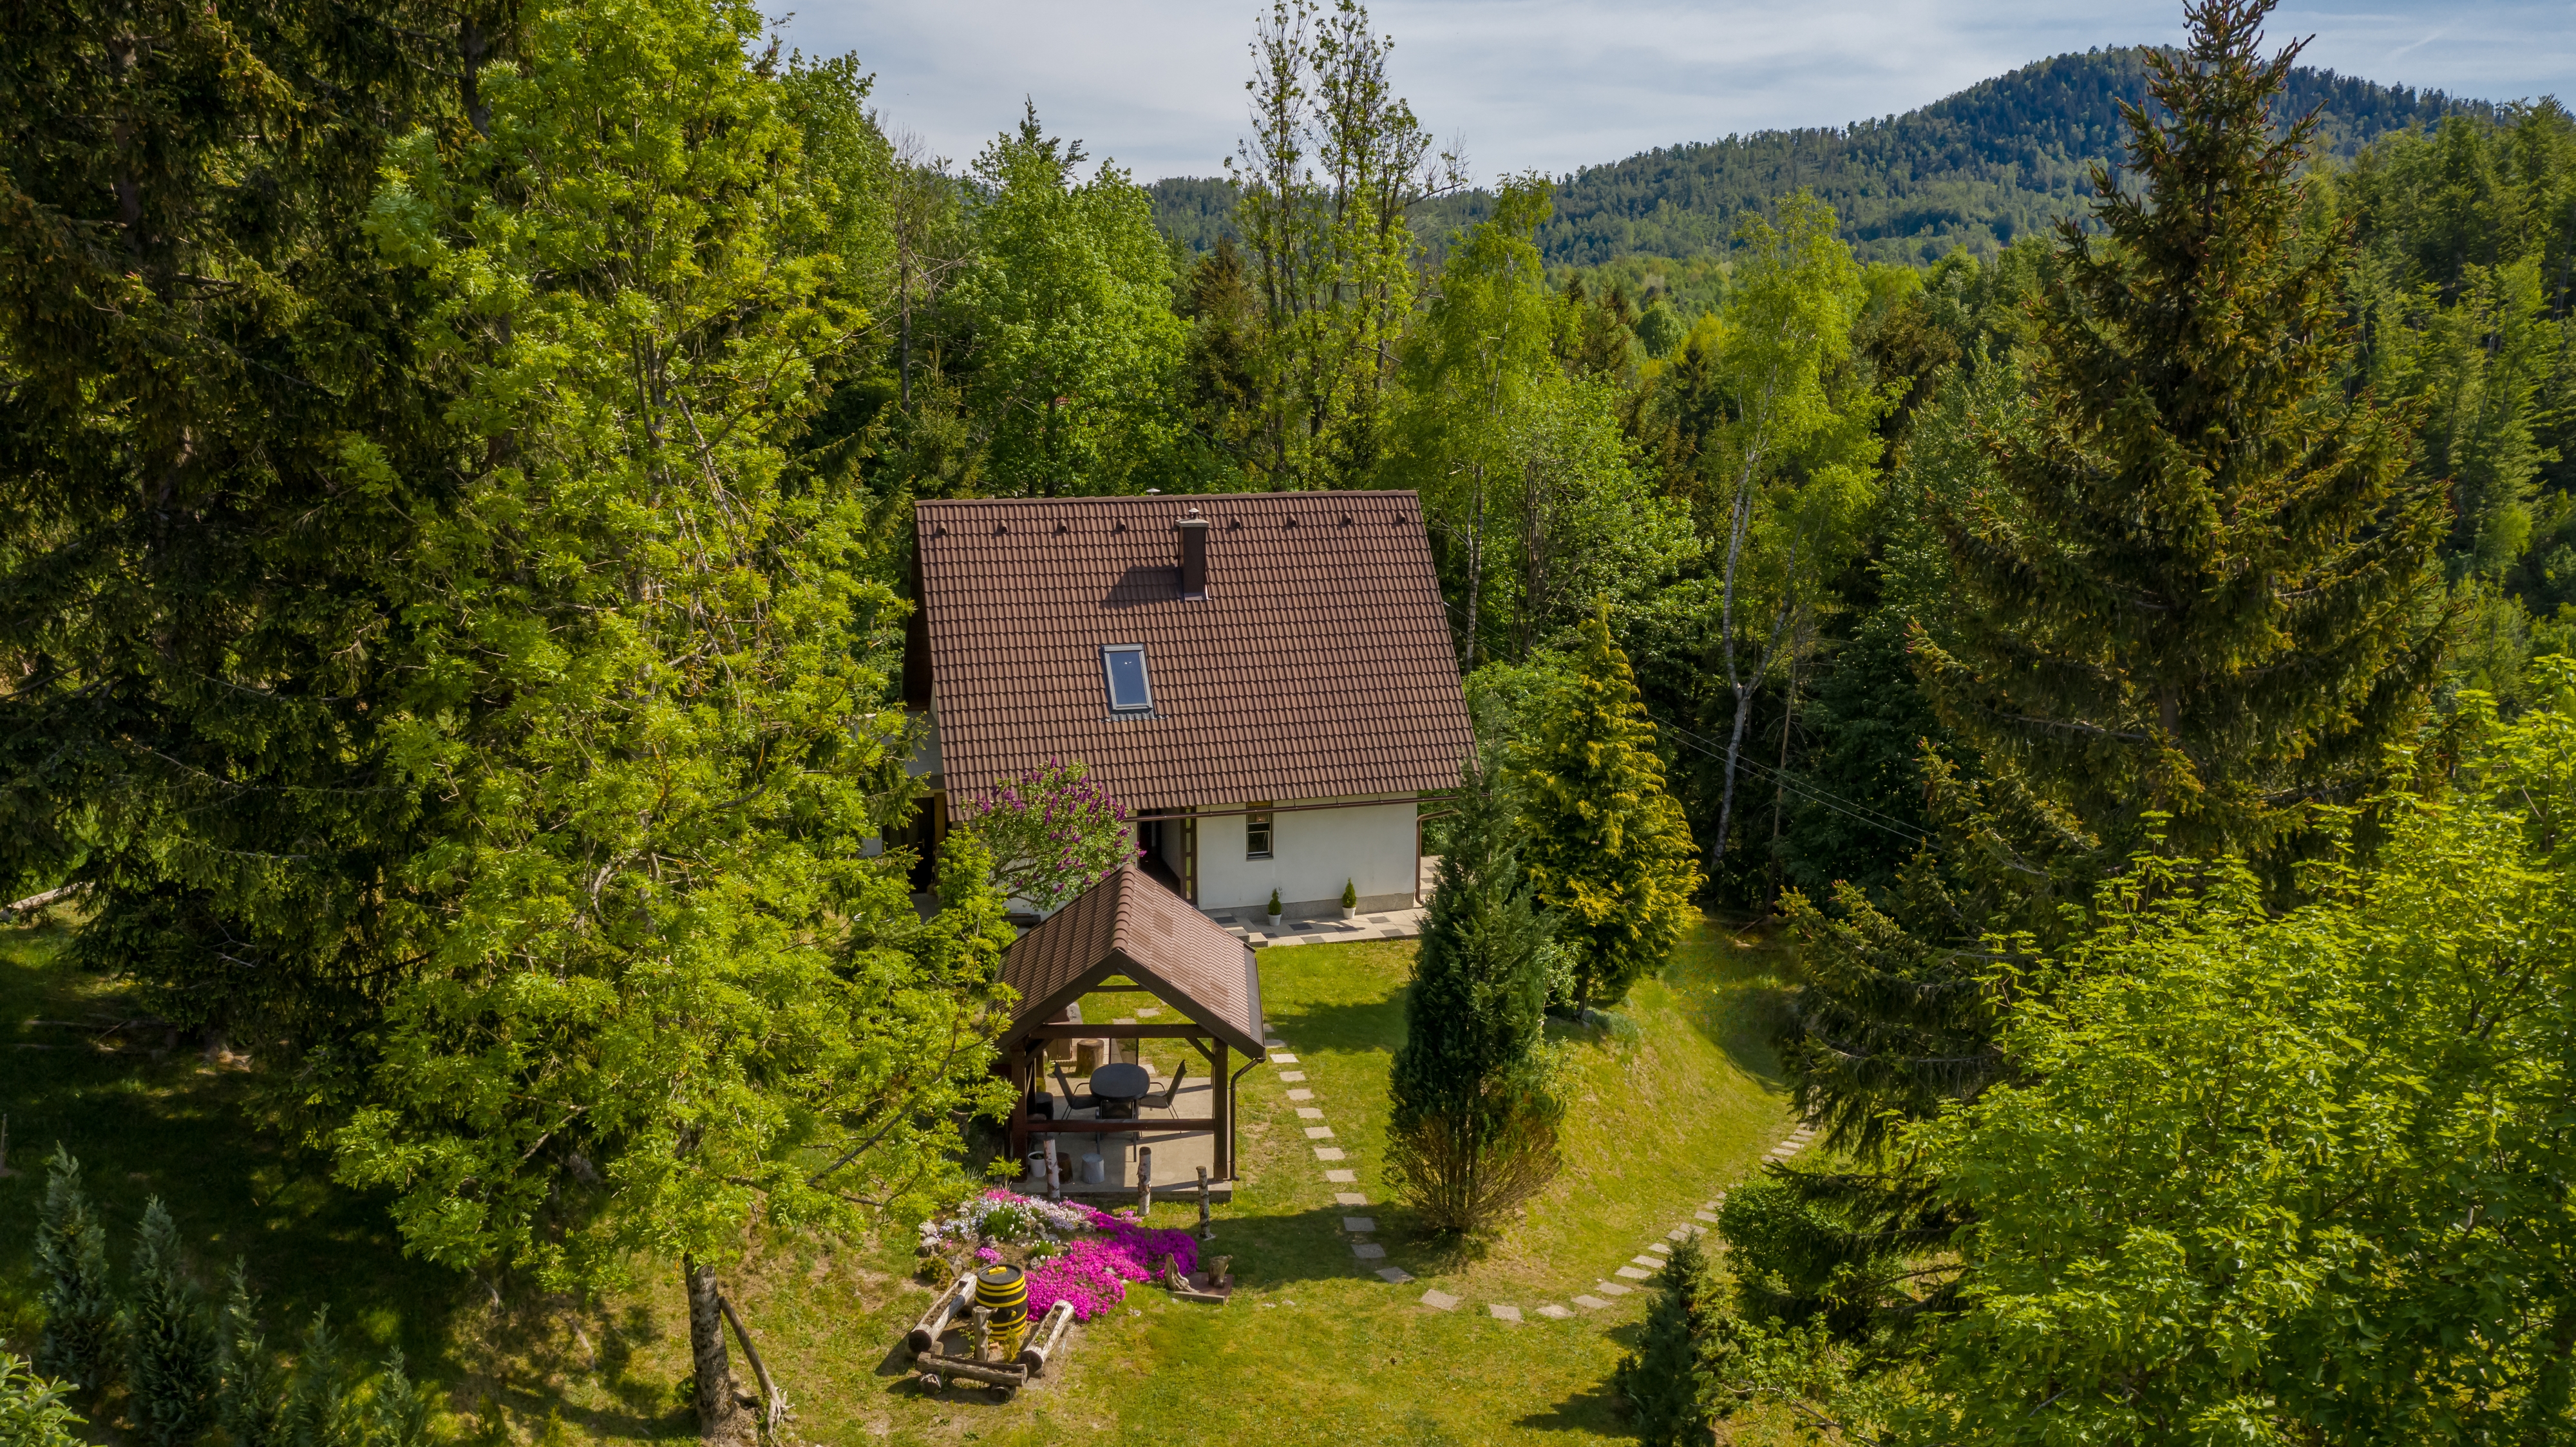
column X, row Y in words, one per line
column 1312, row 852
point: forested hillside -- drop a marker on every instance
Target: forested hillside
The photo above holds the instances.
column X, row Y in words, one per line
column 2004, row 158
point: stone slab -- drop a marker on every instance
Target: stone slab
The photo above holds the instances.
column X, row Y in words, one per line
column 1368, row 1251
column 1274, row 1044
column 1292, row 1075
column 1349, row 1198
column 1342, row 1178
column 1301, row 1095
column 1681, row 1233
column 1660, row 1249
column 1633, row 1274
column 1396, row 1274
column 1308, row 1112
column 1124, row 1020
column 1328, row 1153
column 1591, row 1303
column 1282, row 1059
column 1612, row 1287
column 1500, row 1312
column 1554, row 1312
column 1147, row 1013
column 1319, row 1132
column 1359, row 1225
column 1439, row 1300
column 1649, row 1262
column 1709, row 1216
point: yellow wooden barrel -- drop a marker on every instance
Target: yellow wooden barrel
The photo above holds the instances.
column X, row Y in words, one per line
column 1004, row 1292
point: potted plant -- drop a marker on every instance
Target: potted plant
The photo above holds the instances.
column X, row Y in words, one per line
column 1272, row 912
column 1350, row 899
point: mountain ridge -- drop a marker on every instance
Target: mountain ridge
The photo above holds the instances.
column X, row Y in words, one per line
column 1972, row 170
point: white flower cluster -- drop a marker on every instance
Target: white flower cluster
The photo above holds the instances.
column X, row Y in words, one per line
column 1005, row 1216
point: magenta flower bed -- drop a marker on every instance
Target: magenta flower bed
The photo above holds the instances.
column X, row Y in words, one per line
column 1094, row 1271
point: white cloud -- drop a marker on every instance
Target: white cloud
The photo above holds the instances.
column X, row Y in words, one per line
column 1544, row 84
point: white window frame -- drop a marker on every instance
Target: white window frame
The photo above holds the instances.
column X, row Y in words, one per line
column 1264, row 819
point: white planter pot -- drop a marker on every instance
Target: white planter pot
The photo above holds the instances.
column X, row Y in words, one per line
column 1350, row 911
column 1271, row 921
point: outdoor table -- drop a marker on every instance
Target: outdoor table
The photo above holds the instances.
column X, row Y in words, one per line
column 1120, row 1086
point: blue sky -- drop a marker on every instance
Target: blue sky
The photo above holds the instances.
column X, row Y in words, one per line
column 1158, row 85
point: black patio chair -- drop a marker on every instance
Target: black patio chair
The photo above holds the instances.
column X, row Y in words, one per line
column 1172, row 1091
column 1076, row 1098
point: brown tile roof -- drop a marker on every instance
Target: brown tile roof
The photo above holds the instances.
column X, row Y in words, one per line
column 1130, row 924
column 1319, row 666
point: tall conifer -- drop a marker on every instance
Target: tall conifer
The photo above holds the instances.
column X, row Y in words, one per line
column 78, row 1342
column 2198, row 587
column 1473, row 1129
column 172, row 1361
column 1608, row 850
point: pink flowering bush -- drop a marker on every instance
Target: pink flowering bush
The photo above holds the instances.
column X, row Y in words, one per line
column 1094, row 1270
column 1051, row 831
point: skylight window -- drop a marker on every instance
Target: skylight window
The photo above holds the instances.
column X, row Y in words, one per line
column 1129, row 692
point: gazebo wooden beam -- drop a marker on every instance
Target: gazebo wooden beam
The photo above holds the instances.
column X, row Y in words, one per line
column 1116, row 1032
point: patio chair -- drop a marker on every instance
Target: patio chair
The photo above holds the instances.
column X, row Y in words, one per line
column 1077, row 1100
column 1172, row 1091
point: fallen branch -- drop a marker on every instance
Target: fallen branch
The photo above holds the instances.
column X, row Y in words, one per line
column 777, row 1411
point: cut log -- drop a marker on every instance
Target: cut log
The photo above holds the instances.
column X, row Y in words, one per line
column 926, row 1332
column 1043, row 1341
column 958, row 1368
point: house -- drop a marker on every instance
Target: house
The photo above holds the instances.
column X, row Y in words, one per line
column 1265, row 680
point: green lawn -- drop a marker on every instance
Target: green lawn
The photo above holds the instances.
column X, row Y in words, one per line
column 1670, row 1107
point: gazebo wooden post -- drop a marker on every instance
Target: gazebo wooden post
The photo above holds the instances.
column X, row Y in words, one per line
column 1020, row 1102
column 1223, row 1090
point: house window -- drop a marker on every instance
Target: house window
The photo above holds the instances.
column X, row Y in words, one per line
column 1124, row 665
column 1256, row 832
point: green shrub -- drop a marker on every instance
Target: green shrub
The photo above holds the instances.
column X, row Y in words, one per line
column 32, row 1411
column 1275, row 908
column 1350, row 895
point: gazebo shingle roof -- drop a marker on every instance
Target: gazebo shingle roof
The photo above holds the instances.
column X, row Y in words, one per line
column 1319, row 665
column 1129, row 924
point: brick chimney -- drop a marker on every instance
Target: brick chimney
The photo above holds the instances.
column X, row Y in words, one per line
column 1194, row 538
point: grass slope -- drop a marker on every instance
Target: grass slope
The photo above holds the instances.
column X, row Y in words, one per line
column 1671, row 1103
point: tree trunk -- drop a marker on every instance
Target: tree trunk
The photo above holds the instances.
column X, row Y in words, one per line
column 1780, row 788
column 720, row 1414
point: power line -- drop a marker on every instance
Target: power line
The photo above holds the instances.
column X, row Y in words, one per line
column 1849, row 808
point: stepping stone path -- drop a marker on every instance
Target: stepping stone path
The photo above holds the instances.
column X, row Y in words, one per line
column 1641, row 1267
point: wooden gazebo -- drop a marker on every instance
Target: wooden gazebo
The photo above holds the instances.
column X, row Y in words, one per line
column 1130, row 934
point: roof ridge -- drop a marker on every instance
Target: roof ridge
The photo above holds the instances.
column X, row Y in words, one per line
column 1193, row 498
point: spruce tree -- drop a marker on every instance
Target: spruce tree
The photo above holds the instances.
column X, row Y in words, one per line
column 1608, row 851
column 1661, row 1378
column 1472, row 1128
column 2197, row 586
column 398, row 1411
column 1473, row 1014
column 252, row 1403
column 172, row 1357
column 78, row 1342
column 321, row 1411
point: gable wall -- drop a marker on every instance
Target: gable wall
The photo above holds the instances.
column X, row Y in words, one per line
column 1313, row 851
